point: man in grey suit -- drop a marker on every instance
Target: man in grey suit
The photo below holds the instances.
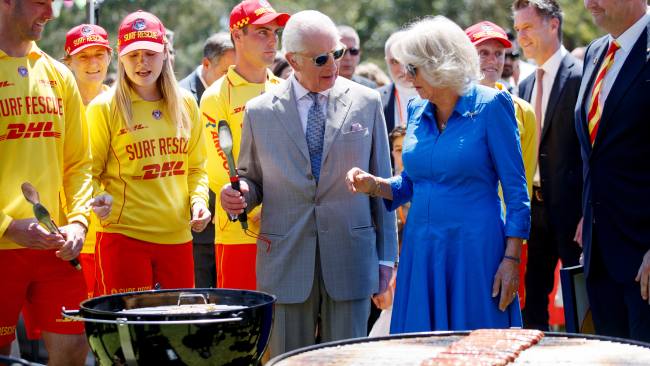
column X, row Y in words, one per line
column 330, row 250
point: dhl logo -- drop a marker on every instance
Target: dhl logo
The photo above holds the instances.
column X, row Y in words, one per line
column 5, row 83
column 31, row 130
column 51, row 83
column 238, row 109
column 166, row 169
column 136, row 127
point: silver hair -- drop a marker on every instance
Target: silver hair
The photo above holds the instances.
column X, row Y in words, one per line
column 303, row 23
column 349, row 32
column 441, row 51
column 391, row 40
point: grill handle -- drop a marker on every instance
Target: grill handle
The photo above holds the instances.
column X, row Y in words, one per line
column 74, row 315
column 190, row 295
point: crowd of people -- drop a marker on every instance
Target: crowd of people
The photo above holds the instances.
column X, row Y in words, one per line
column 414, row 193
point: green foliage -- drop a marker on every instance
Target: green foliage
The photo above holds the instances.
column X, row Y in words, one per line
column 194, row 20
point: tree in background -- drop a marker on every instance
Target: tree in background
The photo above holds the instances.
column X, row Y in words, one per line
column 194, row 20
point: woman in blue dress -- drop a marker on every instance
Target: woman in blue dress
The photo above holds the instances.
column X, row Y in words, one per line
column 458, row 267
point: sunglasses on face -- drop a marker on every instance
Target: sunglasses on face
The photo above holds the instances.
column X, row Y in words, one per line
column 354, row 51
column 321, row 60
column 411, row 70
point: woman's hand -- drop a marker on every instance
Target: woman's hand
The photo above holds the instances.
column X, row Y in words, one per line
column 200, row 217
column 359, row 181
column 506, row 281
column 102, row 205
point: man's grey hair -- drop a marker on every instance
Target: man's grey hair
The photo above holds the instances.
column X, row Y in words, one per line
column 391, row 40
column 547, row 9
column 348, row 32
column 216, row 45
column 441, row 51
column 302, row 23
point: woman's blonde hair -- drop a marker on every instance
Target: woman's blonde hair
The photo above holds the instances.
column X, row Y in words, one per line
column 441, row 50
column 173, row 100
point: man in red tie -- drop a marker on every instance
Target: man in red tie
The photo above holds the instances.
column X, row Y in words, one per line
column 614, row 134
column 557, row 185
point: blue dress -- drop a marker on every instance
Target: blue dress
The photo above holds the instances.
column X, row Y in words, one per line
column 455, row 235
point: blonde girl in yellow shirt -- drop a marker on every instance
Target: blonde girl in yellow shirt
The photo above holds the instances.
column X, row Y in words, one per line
column 149, row 155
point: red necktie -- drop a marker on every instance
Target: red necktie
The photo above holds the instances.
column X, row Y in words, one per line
column 595, row 111
column 538, row 102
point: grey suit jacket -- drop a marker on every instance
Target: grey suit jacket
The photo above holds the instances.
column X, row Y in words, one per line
column 351, row 231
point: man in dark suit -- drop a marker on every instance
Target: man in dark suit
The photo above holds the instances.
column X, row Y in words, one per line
column 218, row 54
column 614, row 134
column 395, row 96
column 555, row 208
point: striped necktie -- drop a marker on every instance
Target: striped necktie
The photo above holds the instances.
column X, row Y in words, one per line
column 596, row 109
column 314, row 135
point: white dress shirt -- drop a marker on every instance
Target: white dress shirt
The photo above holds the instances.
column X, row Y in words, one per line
column 550, row 67
column 626, row 41
column 304, row 101
column 405, row 94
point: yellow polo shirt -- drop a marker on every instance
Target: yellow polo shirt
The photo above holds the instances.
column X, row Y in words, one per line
column 154, row 171
column 525, row 115
column 225, row 100
column 91, row 236
column 43, row 139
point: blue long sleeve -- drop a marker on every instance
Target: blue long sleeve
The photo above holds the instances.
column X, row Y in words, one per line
column 402, row 188
column 505, row 151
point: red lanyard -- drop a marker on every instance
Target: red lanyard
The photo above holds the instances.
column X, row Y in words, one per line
column 399, row 107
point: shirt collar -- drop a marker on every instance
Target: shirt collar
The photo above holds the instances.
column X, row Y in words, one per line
column 629, row 37
column 553, row 63
column 465, row 104
column 237, row 80
column 34, row 52
column 301, row 91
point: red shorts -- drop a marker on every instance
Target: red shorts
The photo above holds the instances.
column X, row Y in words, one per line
column 39, row 283
column 125, row 264
column 87, row 261
column 236, row 266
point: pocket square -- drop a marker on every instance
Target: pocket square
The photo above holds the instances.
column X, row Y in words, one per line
column 356, row 127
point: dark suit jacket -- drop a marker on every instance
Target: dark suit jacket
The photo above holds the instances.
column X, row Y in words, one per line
column 387, row 93
column 616, row 200
column 559, row 152
column 193, row 83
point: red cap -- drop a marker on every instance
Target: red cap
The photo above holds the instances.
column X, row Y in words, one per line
column 141, row 30
column 483, row 31
column 255, row 12
column 84, row 36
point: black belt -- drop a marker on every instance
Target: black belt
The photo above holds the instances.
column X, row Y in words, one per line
column 537, row 194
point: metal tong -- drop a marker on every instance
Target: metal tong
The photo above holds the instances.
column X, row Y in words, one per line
column 43, row 215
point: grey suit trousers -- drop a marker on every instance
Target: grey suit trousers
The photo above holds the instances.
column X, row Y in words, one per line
column 295, row 325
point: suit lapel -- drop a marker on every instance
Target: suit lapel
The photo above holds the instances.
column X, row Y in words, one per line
column 633, row 65
column 198, row 86
column 526, row 91
column 556, row 90
column 337, row 108
column 589, row 76
column 286, row 112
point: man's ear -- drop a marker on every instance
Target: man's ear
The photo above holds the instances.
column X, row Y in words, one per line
column 205, row 63
column 292, row 60
column 236, row 34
